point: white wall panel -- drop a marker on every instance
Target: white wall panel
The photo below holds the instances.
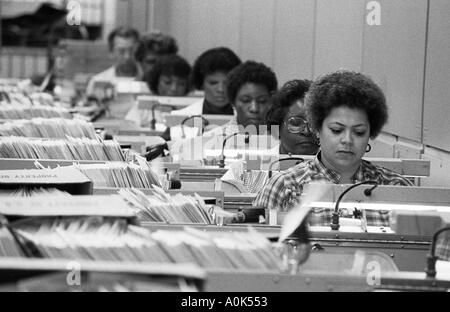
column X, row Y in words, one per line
column 394, row 55
column 257, row 30
column 293, row 39
column 339, row 35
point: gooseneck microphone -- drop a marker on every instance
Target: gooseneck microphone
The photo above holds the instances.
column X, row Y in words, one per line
column 153, row 121
column 431, row 257
column 335, row 216
column 222, row 155
column 369, row 191
column 299, row 160
column 205, row 122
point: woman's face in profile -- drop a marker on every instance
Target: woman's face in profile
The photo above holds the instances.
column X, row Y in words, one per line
column 172, row 85
column 215, row 88
column 295, row 135
column 344, row 136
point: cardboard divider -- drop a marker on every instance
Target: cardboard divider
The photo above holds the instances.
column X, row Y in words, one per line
column 176, row 120
column 66, row 206
column 65, row 179
column 146, row 102
column 210, row 197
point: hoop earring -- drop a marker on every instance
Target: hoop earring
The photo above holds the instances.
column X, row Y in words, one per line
column 369, row 148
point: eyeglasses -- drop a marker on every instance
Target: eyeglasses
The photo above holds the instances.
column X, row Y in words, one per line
column 297, row 125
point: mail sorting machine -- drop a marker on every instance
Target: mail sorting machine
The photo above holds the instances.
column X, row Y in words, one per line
column 199, row 175
column 407, row 249
column 355, row 276
column 324, row 272
column 411, row 216
column 418, row 212
column 345, row 272
column 28, row 274
column 342, row 269
column 23, row 269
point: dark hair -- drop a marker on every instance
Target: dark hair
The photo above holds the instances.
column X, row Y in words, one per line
column 124, row 32
column 291, row 91
column 157, row 43
column 213, row 60
column 346, row 88
column 167, row 65
column 253, row 72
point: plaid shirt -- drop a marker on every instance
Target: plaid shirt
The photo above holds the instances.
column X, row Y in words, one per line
column 322, row 217
column 443, row 247
column 283, row 190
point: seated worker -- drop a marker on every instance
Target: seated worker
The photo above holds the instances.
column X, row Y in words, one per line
column 209, row 74
column 153, row 45
column 122, row 44
column 100, row 92
column 288, row 112
column 169, row 76
column 250, row 88
column 346, row 109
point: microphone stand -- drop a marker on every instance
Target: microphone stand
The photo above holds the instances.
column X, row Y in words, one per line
column 335, row 216
column 222, row 155
column 280, row 160
column 205, row 122
column 431, row 257
column 153, row 121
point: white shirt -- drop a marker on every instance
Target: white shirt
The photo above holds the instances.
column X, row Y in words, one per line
column 210, row 144
column 195, row 108
column 106, row 75
column 118, row 106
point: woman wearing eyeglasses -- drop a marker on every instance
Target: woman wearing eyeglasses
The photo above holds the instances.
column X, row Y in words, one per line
column 289, row 113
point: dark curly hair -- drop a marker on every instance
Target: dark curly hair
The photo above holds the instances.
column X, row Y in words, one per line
column 211, row 61
column 167, row 65
column 253, row 72
column 346, row 88
column 124, row 32
column 291, row 91
column 157, row 43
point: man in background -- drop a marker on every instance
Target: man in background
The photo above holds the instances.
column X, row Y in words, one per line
column 123, row 43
